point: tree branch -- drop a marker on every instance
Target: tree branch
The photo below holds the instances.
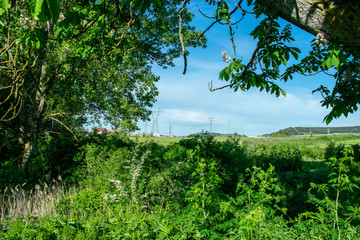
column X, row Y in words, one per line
column 183, row 50
column 219, row 88
column 250, row 63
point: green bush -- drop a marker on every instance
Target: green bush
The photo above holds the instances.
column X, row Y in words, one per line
column 282, row 158
column 230, row 155
column 335, row 207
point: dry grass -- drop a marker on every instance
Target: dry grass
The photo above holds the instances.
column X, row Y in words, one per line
column 17, row 202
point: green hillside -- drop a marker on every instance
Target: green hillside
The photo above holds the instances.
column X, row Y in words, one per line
column 316, row 130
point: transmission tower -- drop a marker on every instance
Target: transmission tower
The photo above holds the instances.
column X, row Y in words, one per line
column 155, row 117
column 211, row 121
column 145, row 124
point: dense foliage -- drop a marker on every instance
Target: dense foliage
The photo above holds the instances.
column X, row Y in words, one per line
column 70, row 64
column 197, row 188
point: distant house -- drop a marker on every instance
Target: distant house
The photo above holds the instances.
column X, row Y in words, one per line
column 100, row 130
column 131, row 134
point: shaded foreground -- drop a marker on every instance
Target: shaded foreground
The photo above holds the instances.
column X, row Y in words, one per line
column 196, row 188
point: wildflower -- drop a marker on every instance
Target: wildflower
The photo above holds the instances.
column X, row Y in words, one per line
column 112, row 197
column 119, row 187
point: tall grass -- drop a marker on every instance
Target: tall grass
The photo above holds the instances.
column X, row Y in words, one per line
column 18, row 202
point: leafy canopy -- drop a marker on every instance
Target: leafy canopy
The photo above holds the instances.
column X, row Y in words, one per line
column 67, row 64
column 270, row 58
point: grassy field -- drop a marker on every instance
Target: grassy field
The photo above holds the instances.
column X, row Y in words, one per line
column 320, row 141
column 311, row 147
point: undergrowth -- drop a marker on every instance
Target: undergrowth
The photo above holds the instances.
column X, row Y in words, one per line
column 197, row 188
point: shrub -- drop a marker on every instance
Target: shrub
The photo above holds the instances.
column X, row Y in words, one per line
column 282, row 158
column 332, row 200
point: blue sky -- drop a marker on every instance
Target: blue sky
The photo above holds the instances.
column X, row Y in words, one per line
column 186, row 103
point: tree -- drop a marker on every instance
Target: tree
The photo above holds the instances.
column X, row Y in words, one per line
column 65, row 64
column 335, row 25
column 336, row 20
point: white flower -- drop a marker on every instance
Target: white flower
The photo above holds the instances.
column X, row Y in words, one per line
column 119, row 187
column 321, row 39
column 225, row 56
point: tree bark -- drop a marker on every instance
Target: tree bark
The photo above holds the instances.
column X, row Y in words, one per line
column 338, row 21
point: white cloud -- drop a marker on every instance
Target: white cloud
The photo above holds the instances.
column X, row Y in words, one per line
column 188, row 105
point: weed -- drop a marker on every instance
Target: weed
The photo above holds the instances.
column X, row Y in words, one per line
column 18, row 202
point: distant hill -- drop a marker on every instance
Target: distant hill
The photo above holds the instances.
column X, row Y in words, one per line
column 316, row 130
column 219, row 134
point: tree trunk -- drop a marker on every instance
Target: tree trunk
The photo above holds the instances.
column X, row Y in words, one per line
column 337, row 22
column 35, row 128
column 35, row 131
column 28, row 149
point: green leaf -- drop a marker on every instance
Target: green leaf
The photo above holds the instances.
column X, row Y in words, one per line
column 272, row 89
column 323, row 64
column 4, row 5
column 267, row 87
column 35, row 6
column 45, row 10
column 37, row 44
column 54, row 9
column 328, row 119
column 223, row 14
column 287, row 56
column 145, row 6
column 336, row 61
column 157, row 3
column 225, row 74
column 284, row 61
column 283, row 92
column 101, row 21
column 277, row 92
column 327, row 62
column 137, row 4
column 295, row 55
